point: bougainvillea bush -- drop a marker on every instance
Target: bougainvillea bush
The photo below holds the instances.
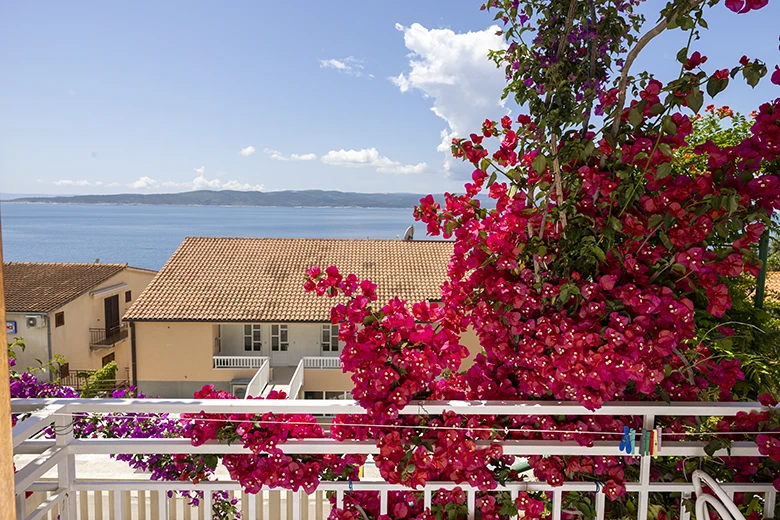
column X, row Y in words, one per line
column 605, row 268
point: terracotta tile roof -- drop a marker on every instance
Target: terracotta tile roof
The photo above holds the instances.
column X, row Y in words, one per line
column 261, row 279
column 772, row 287
column 44, row 286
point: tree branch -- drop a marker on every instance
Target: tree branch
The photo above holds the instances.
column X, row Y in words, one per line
column 633, row 53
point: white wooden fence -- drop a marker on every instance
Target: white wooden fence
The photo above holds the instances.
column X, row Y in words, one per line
column 68, row 493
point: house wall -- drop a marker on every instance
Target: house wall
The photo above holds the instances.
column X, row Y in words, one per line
column 176, row 359
column 327, row 379
column 304, row 339
column 72, row 339
column 35, row 340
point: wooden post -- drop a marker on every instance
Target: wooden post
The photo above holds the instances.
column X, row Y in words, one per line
column 7, row 495
column 763, row 255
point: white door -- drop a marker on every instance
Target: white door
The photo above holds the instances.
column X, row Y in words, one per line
column 280, row 344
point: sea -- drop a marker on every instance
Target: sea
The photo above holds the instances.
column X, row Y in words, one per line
column 146, row 236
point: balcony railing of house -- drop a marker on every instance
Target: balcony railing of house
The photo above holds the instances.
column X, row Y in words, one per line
column 296, row 381
column 77, row 499
column 80, row 381
column 239, row 362
column 321, row 362
column 106, row 338
column 260, row 381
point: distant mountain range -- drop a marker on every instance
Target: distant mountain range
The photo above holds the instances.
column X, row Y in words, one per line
column 290, row 198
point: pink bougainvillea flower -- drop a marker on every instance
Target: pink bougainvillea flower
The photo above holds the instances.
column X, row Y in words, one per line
column 695, row 60
column 776, row 75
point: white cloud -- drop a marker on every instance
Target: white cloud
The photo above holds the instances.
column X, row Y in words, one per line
column 202, row 183
column 143, row 183
column 349, row 65
column 246, row 152
column 68, row 182
column 278, row 156
column 201, row 170
column 453, row 70
column 370, row 158
column 235, row 185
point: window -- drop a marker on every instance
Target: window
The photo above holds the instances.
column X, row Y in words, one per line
column 59, row 319
column 279, row 338
column 128, row 296
column 312, row 394
column 330, row 338
column 335, row 395
column 252, row 339
column 108, row 359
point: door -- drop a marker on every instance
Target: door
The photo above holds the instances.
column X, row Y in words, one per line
column 112, row 315
column 280, row 343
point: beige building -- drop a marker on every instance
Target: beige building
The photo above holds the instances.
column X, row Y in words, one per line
column 232, row 311
column 73, row 310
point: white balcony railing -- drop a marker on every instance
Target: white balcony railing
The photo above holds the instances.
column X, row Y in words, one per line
column 260, row 381
column 67, row 495
column 239, row 362
column 296, row 381
column 322, row 362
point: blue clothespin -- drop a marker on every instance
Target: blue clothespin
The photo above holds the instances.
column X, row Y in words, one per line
column 625, row 442
column 350, row 488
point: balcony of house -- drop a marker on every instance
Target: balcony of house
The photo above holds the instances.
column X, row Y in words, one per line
column 58, row 477
column 107, row 337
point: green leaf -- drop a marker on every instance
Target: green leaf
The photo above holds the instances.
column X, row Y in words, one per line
column 662, row 170
column 654, row 220
column 665, row 240
column 512, row 191
column 668, row 126
column 615, row 224
column 657, row 109
column 539, row 164
column 717, row 444
column 635, row 116
column 715, row 85
column 598, row 253
column 491, row 180
column 682, row 55
column 695, row 100
column 484, row 164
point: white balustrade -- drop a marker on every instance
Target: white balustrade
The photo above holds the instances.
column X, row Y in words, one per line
column 128, row 497
column 322, row 362
column 260, row 381
column 239, row 362
column 296, row 381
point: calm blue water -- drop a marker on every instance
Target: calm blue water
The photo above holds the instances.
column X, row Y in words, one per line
column 146, row 236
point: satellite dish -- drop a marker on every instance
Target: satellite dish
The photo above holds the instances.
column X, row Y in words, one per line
column 409, row 233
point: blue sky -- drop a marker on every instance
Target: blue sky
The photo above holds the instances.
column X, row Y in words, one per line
column 110, row 97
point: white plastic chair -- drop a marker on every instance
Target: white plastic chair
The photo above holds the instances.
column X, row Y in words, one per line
column 720, row 502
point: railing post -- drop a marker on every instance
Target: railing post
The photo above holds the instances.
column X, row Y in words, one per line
column 644, row 472
column 383, row 502
column 21, row 506
column 769, row 503
column 557, row 504
column 66, row 470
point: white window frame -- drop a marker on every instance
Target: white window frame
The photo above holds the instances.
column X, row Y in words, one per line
column 331, row 332
column 255, row 343
column 279, row 331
